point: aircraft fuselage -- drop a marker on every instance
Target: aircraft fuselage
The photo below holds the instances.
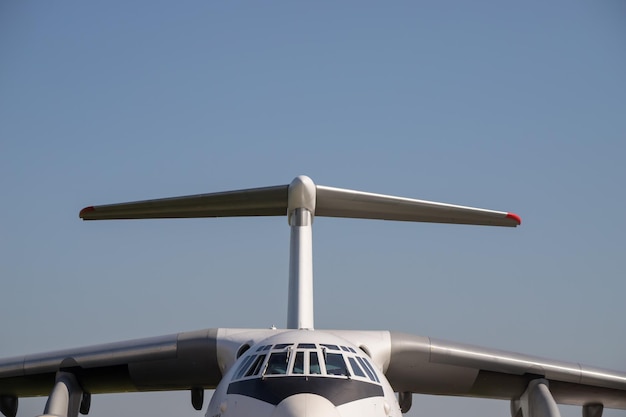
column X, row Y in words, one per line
column 303, row 372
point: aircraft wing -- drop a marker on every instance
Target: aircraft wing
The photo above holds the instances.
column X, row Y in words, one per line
column 430, row 366
column 173, row 362
column 193, row 361
column 412, row 364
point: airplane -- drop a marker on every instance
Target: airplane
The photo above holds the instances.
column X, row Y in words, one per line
column 299, row 370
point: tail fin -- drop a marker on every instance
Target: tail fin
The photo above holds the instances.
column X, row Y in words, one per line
column 329, row 202
column 301, row 201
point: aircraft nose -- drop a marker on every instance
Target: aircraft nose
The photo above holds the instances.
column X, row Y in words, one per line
column 305, row 405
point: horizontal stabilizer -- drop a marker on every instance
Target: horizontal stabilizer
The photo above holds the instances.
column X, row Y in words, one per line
column 267, row 201
column 273, row 201
column 336, row 202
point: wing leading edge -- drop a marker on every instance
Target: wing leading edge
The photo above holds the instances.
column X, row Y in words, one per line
column 430, row 366
column 174, row 362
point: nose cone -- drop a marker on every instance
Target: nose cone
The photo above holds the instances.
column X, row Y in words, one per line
column 305, row 405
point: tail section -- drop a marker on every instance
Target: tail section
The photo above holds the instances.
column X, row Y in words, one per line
column 328, row 202
column 300, row 201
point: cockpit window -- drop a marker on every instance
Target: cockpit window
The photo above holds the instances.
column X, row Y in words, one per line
column 256, row 366
column 368, row 368
column 282, row 345
column 305, row 359
column 335, row 365
column 277, row 365
column 244, row 365
column 298, row 363
column 356, row 368
column 264, row 347
column 331, row 347
column 314, row 364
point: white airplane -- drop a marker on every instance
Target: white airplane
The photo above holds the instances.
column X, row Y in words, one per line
column 299, row 371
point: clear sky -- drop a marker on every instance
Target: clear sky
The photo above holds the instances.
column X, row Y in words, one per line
column 514, row 106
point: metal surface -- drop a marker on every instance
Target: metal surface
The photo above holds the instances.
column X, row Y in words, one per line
column 170, row 362
column 337, row 202
column 301, row 195
column 264, row 394
column 405, row 400
column 593, row 410
column 300, row 212
column 431, row 366
column 65, row 398
column 207, row 359
column 537, row 400
column 8, row 405
column 318, row 199
column 300, row 303
column 197, row 398
column 410, row 364
column 266, row 201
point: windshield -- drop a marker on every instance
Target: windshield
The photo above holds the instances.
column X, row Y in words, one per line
column 306, row 359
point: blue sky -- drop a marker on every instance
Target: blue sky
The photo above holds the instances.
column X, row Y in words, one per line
column 510, row 106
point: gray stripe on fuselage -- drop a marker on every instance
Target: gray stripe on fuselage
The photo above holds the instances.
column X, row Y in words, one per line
column 275, row 389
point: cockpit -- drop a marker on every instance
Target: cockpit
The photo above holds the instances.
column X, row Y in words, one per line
column 305, row 359
column 279, row 374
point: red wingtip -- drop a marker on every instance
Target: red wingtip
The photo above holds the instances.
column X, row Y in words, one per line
column 86, row 210
column 515, row 217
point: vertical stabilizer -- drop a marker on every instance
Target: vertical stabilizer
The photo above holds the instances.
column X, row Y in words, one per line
column 300, row 212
